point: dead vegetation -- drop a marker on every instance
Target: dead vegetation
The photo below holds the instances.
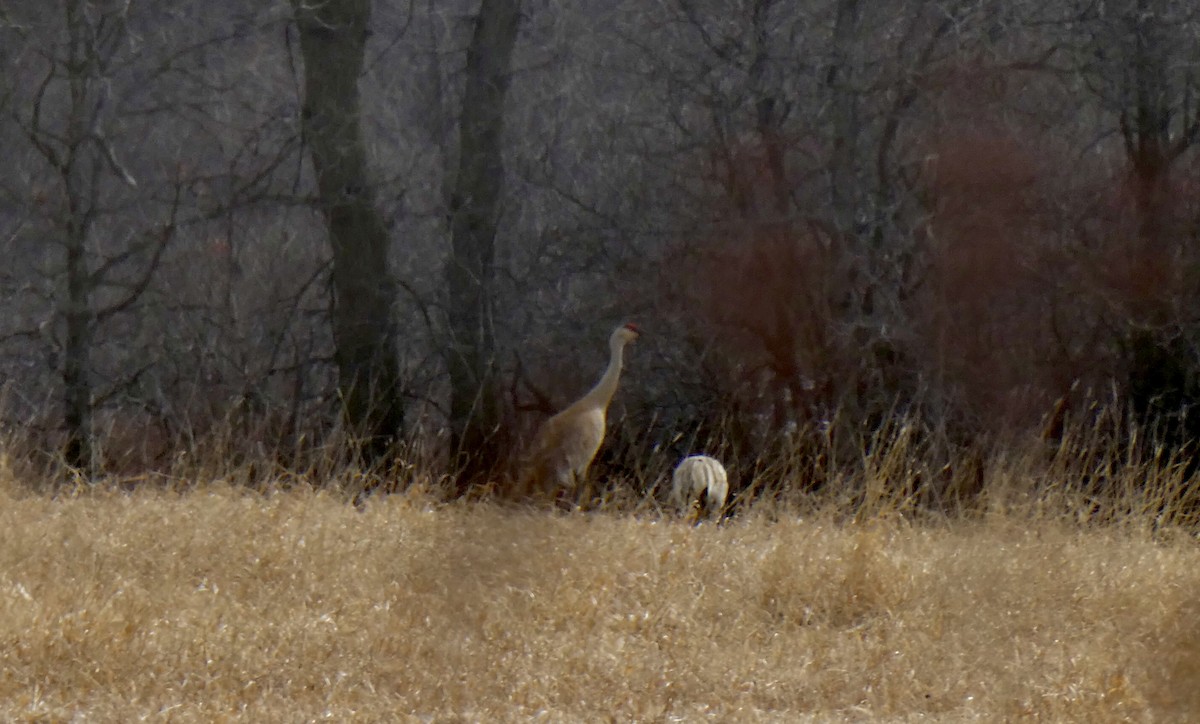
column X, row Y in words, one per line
column 213, row 602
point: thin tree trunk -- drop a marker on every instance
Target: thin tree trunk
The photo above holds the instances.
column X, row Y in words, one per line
column 769, row 115
column 474, row 208
column 333, row 36
column 1163, row 379
column 845, row 122
column 1151, row 132
column 79, row 182
column 77, row 387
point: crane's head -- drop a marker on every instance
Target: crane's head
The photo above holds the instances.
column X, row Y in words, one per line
column 626, row 333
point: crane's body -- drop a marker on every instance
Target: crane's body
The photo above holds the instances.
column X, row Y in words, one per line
column 565, row 445
column 700, row 481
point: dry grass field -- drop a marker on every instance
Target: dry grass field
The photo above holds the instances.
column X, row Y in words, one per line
column 218, row 604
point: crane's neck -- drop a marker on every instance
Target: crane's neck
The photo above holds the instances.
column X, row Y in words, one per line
column 600, row 395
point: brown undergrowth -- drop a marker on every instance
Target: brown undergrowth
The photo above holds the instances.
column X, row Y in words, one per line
column 213, row 603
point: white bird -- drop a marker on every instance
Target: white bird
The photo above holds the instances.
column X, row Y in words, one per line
column 563, row 448
column 700, row 481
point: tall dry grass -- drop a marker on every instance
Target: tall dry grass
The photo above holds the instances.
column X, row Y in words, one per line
column 212, row 602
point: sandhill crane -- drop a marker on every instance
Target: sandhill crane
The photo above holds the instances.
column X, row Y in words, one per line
column 564, row 447
column 700, row 481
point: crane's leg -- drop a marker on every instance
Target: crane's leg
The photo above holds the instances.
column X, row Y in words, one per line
column 560, row 490
column 583, row 491
column 564, row 498
column 574, row 493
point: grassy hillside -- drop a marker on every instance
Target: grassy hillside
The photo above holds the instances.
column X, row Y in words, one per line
column 219, row 604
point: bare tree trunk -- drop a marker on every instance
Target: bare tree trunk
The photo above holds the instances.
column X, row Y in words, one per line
column 79, row 181
column 77, row 386
column 1148, row 139
column 769, row 113
column 474, row 202
column 68, row 126
column 333, row 36
column 1163, row 379
column 845, row 121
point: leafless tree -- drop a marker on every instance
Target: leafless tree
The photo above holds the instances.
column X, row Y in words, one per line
column 1141, row 62
column 72, row 121
column 333, row 36
column 145, row 144
column 474, row 206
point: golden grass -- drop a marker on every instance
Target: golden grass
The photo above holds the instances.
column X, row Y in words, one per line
column 218, row 604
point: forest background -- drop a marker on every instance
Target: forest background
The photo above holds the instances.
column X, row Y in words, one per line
column 400, row 232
